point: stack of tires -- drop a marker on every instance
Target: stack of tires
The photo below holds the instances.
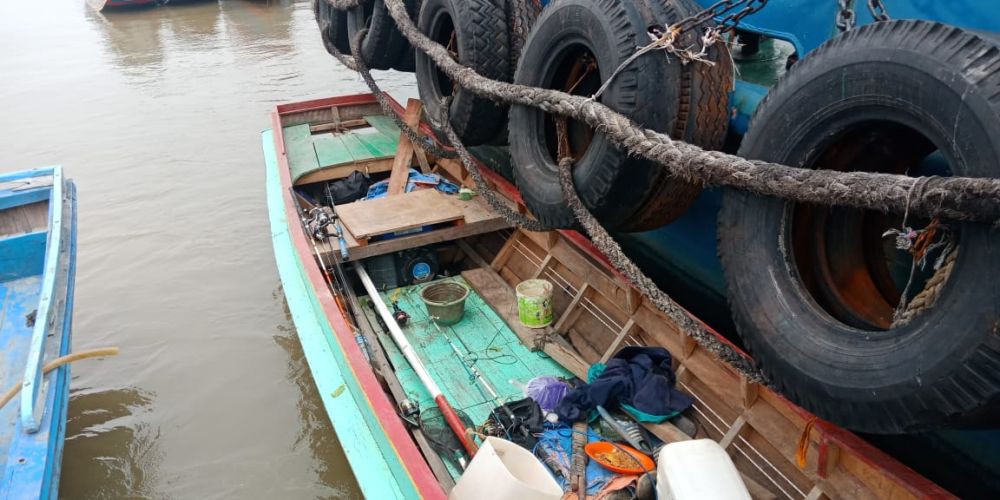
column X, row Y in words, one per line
column 573, row 45
column 815, row 291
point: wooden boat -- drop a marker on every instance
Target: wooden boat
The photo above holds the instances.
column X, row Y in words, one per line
column 37, row 269
column 368, row 387
column 101, row 5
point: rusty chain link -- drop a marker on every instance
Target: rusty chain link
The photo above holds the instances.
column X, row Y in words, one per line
column 845, row 16
column 878, row 10
column 721, row 8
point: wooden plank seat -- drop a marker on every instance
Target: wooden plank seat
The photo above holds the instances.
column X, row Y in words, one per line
column 396, row 214
column 455, row 219
column 317, row 154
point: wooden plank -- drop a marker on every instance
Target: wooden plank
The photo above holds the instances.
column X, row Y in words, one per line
column 383, row 124
column 425, row 165
column 472, row 254
column 318, row 128
column 496, row 293
column 358, row 149
column 404, row 153
column 369, row 167
column 618, row 340
column 733, row 431
column 23, row 219
column 331, row 150
column 571, row 310
column 479, row 219
column 393, row 214
column 381, row 145
column 300, row 151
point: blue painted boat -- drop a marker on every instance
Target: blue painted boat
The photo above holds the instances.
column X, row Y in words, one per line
column 37, row 269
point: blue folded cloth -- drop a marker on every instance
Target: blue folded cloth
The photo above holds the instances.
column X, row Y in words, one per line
column 415, row 181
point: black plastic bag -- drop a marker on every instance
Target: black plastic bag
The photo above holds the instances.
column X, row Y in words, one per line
column 525, row 425
column 349, row 189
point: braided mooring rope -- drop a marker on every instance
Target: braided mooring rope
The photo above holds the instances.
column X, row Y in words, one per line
column 610, row 248
column 960, row 198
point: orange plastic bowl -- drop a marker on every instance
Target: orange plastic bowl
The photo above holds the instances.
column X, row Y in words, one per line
column 600, row 447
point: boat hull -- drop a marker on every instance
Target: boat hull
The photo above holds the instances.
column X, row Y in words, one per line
column 32, row 460
column 385, row 461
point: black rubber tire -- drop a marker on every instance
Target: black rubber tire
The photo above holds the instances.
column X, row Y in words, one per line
column 335, row 21
column 611, row 184
column 702, row 117
column 943, row 368
column 480, row 28
column 521, row 16
column 384, row 45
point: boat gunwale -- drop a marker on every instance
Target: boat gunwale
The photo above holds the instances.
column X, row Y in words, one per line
column 829, row 433
column 398, row 437
column 23, row 477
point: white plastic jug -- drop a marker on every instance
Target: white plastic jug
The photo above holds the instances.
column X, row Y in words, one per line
column 504, row 470
column 698, row 470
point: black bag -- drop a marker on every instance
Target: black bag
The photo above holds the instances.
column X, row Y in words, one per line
column 526, row 425
column 349, row 189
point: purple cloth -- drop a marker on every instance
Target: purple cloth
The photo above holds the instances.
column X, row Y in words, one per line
column 546, row 391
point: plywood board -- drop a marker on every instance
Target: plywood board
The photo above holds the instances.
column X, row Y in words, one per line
column 393, row 214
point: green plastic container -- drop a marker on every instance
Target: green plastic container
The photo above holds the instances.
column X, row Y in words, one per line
column 534, row 303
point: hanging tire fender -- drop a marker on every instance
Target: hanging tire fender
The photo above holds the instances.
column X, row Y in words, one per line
column 812, row 288
column 576, row 45
column 384, row 46
column 333, row 27
column 476, row 31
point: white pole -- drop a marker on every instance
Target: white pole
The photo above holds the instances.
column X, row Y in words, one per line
column 397, row 333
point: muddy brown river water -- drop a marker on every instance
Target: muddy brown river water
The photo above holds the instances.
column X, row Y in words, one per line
column 157, row 116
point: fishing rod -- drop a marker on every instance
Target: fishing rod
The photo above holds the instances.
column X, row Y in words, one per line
column 470, row 367
column 450, row 416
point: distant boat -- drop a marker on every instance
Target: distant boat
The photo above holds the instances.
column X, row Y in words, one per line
column 101, row 5
column 37, row 269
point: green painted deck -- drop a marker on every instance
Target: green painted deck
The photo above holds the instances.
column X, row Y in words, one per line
column 308, row 152
column 495, row 349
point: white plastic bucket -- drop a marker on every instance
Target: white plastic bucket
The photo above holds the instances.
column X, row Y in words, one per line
column 534, row 303
column 698, row 470
column 502, row 470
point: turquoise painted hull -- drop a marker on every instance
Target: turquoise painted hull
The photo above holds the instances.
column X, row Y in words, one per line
column 360, row 424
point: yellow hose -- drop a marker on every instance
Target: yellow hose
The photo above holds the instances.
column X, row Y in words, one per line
column 56, row 363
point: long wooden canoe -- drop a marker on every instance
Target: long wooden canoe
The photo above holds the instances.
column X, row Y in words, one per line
column 364, row 381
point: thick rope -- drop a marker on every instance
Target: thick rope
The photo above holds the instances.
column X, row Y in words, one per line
column 361, row 66
column 958, row 198
column 488, row 193
column 342, row 4
column 926, row 298
column 610, row 248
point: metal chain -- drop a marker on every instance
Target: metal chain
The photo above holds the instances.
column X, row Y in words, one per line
column 721, row 8
column 845, row 16
column 878, row 10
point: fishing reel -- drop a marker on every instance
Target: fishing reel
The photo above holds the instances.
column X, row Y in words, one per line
column 319, row 220
column 410, row 412
column 399, row 315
